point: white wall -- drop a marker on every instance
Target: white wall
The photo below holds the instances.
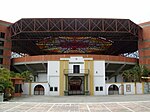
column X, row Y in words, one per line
column 42, row 77
column 53, row 76
column 25, row 88
column 74, row 61
column 139, row 88
column 99, row 77
column 132, row 88
column 109, row 84
column 128, row 88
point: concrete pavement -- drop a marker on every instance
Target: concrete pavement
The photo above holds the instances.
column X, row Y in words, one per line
column 117, row 103
column 75, row 107
column 82, row 99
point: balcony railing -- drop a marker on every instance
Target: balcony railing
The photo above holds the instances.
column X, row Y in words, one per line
column 71, row 71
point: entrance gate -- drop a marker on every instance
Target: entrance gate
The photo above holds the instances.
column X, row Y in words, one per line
column 39, row 90
column 113, row 90
column 75, row 85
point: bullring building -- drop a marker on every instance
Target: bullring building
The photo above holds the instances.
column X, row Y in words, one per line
column 75, row 56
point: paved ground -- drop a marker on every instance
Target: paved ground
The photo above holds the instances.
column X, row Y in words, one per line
column 82, row 99
column 128, row 103
column 76, row 107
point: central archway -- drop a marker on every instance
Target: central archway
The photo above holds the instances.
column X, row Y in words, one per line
column 39, row 90
column 76, row 85
column 113, row 90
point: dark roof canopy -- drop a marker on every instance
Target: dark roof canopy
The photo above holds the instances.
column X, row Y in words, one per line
column 36, row 36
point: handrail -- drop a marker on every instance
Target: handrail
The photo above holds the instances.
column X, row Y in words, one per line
column 71, row 71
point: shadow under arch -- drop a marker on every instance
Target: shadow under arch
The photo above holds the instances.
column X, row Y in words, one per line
column 113, row 90
column 39, row 90
column 75, row 85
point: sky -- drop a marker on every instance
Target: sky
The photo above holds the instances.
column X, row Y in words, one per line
column 137, row 11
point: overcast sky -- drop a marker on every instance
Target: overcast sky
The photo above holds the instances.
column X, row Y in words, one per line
column 136, row 10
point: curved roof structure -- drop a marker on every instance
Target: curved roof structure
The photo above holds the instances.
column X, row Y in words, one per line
column 38, row 36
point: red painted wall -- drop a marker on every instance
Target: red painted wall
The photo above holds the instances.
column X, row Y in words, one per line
column 144, row 45
column 7, row 44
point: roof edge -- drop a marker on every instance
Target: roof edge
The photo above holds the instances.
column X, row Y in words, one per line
column 5, row 23
column 145, row 24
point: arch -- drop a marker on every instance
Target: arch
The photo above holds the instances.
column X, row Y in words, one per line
column 113, row 89
column 76, row 85
column 39, row 90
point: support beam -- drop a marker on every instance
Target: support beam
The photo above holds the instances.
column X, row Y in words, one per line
column 106, row 65
column 110, row 71
column 121, row 68
column 45, row 68
column 30, row 69
column 18, row 69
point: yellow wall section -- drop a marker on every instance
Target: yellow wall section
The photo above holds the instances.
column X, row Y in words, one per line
column 91, row 77
column 89, row 64
column 85, row 67
column 63, row 65
column 143, row 87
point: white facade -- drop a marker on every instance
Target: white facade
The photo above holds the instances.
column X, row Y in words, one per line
column 76, row 61
column 53, row 77
column 26, row 87
column 99, row 77
column 51, row 80
column 126, row 88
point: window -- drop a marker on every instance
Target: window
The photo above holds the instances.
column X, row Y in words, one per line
column 1, row 52
column 76, row 68
column 51, row 88
column 55, row 89
column 97, row 88
column 18, row 88
column 2, row 35
column 1, row 43
column 1, row 60
column 101, row 88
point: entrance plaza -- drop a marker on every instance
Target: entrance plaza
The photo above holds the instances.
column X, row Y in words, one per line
column 111, row 103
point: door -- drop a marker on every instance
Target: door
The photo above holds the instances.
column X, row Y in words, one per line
column 76, row 68
column 113, row 90
column 76, row 85
column 39, row 90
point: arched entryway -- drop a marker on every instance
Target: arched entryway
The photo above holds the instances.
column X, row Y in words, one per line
column 76, row 85
column 113, row 90
column 39, row 90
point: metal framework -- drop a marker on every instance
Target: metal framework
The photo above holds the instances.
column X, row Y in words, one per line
column 27, row 33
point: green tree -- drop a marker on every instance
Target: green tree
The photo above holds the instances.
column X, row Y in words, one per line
column 6, row 85
column 15, row 75
column 27, row 75
column 135, row 73
column 127, row 75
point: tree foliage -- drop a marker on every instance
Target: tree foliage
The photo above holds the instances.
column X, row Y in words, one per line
column 27, row 75
column 6, row 75
column 5, row 80
column 135, row 73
